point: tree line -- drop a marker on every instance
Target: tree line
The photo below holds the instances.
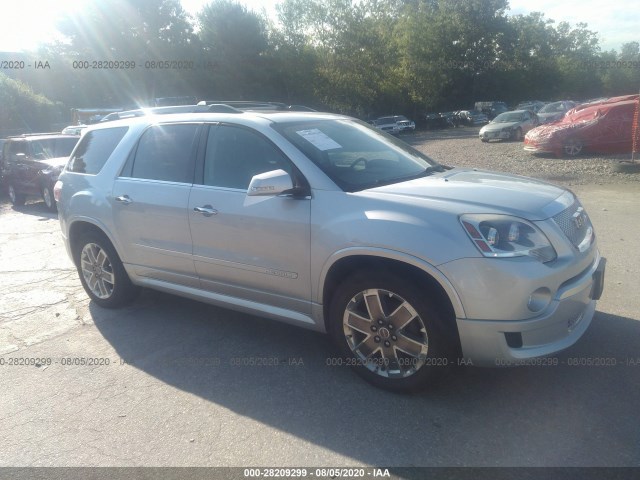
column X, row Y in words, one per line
column 360, row 57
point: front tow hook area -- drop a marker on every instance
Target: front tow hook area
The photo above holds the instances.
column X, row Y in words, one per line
column 598, row 280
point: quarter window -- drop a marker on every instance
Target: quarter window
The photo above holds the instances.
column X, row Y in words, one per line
column 234, row 155
column 94, row 149
column 166, row 152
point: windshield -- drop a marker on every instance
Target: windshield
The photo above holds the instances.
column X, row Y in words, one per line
column 395, row 119
column 53, row 147
column 508, row 117
column 553, row 108
column 354, row 155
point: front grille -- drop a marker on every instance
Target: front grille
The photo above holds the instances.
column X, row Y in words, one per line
column 574, row 225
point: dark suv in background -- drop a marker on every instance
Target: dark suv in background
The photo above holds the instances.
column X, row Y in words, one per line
column 32, row 163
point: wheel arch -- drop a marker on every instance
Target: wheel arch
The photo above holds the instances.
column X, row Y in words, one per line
column 81, row 226
column 421, row 272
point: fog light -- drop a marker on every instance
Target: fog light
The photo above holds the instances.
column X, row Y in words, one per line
column 514, row 339
column 539, row 299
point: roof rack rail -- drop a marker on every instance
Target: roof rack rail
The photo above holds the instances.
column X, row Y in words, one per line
column 24, row 135
column 208, row 106
column 222, row 108
column 247, row 104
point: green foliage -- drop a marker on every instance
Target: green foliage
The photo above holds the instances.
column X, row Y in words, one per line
column 621, row 71
column 23, row 110
column 234, row 41
column 361, row 57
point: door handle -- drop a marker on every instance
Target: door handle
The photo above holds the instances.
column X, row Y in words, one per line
column 124, row 199
column 206, row 210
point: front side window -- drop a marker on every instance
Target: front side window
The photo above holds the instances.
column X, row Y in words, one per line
column 234, row 155
column 354, row 155
column 94, row 149
column 166, row 152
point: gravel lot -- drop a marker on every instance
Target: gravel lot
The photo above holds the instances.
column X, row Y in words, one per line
column 461, row 147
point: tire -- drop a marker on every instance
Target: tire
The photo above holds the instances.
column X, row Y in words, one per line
column 372, row 340
column 484, row 140
column 16, row 198
column 101, row 272
column 49, row 200
column 517, row 135
column 572, row 147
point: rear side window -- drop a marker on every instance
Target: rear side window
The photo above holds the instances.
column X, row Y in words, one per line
column 12, row 150
column 167, row 152
column 94, row 149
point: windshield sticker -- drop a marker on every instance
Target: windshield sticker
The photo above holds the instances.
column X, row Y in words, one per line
column 318, row 139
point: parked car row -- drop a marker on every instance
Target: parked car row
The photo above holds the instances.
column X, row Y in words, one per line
column 30, row 163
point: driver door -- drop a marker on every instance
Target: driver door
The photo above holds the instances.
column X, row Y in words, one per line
column 254, row 248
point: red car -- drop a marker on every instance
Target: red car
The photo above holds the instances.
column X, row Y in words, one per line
column 603, row 126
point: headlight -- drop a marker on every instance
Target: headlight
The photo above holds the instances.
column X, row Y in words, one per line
column 506, row 236
column 53, row 170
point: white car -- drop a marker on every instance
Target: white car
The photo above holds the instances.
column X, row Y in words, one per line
column 509, row 126
column 395, row 124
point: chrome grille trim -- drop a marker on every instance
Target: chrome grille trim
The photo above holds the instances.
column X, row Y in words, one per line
column 573, row 230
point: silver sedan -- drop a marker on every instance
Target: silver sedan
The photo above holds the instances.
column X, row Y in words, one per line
column 509, row 126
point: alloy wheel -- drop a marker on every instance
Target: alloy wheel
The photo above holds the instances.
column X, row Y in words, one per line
column 97, row 270
column 385, row 333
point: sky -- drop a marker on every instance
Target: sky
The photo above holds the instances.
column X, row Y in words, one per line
column 27, row 23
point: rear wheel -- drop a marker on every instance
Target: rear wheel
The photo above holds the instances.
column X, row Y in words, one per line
column 15, row 197
column 517, row 135
column 101, row 272
column 389, row 331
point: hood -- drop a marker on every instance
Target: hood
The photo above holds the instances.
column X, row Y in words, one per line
column 479, row 191
column 56, row 162
column 560, row 128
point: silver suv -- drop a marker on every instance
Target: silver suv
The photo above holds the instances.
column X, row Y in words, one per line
column 324, row 222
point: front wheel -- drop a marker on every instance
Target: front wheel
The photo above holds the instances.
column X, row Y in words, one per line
column 572, row 147
column 517, row 135
column 101, row 272
column 387, row 329
column 49, row 201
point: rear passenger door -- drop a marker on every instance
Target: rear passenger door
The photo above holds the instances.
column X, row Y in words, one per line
column 254, row 248
column 150, row 201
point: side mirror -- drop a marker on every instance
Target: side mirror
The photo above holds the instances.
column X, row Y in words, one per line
column 270, row 184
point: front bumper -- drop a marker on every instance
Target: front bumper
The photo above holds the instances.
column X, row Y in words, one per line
column 495, row 135
column 539, row 147
column 560, row 325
